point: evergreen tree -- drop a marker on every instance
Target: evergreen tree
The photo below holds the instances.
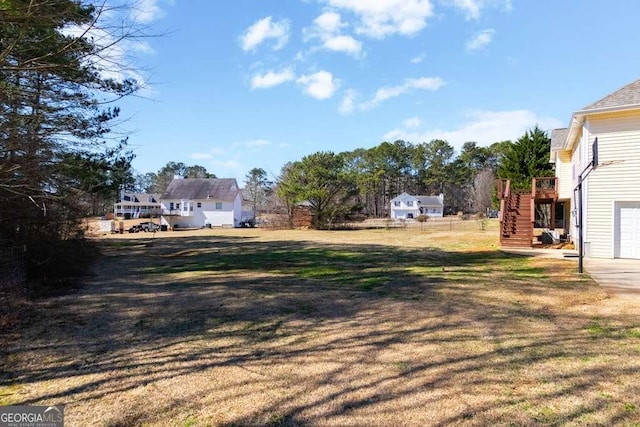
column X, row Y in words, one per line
column 527, row 158
column 53, row 122
column 258, row 188
column 158, row 182
column 321, row 180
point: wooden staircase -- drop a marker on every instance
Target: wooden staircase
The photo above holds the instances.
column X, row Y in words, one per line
column 517, row 209
column 516, row 229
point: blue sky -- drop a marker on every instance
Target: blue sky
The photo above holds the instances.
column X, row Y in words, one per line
column 233, row 85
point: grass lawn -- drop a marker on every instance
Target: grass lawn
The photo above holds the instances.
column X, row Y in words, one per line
column 367, row 327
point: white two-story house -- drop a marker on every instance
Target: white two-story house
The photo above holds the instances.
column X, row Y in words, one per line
column 201, row 202
column 611, row 191
column 406, row 206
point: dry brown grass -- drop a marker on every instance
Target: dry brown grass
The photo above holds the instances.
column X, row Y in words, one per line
column 373, row 327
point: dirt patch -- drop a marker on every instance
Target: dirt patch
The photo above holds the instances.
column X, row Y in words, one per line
column 370, row 327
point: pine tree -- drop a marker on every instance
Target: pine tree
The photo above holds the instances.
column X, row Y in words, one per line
column 53, row 92
column 527, row 158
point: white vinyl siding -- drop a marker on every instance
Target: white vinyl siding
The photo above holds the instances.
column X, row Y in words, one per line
column 615, row 180
column 565, row 175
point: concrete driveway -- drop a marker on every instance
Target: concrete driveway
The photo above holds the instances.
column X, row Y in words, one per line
column 616, row 276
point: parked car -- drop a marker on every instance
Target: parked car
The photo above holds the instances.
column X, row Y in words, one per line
column 149, row 226
column 247, row 223
column 135, row 229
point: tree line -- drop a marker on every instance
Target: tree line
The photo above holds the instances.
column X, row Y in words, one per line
column 361, row 183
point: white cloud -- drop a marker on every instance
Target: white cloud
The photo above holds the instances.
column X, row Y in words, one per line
column 201, row 156
column 473, row 8
column 320, row 85
column 257, row 143
column 470, row 7
column 115, row 52
column 418, row 59
column 347, row 104
column 483, row 127
column 480, row 40
column 146, row 11
column 429, row 83
column 271, row 79
column 263, row 30
column 412, row 123
column 381, row 18
column 385, row 93
column 231, row 160
column 329, row 22
column 345, row 44
column 211, row 154
column 327, row 27
column 231, row 166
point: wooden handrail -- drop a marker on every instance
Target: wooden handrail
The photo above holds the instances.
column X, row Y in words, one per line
column 544, row 186
column 504, row 188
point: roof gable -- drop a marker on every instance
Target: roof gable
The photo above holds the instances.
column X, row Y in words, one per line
column 624, row 97
column 140, row 197
column 558, row 137
column 403, row 197
column 224, row 189
column 421, row 200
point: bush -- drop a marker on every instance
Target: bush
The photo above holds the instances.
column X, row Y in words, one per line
column 422, row 218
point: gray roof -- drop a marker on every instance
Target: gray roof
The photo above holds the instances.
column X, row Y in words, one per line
column 626, row 96
column 141, row 198
column 223, row 189
column 558, row 137
column 429, row 200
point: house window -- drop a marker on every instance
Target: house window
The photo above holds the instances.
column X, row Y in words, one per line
column 191, row 208
column 178, row 206
column 410, row 203
column 218, row 205
column 199, row 204
column 185, row 207
column 433, row 210
column 396, row 204
column 171, row 206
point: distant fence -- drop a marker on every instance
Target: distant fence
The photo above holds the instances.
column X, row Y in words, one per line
column 432, row 224
column 12, row 273
column 445, row 224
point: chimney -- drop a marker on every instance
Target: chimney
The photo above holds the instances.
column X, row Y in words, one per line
column 441, row 197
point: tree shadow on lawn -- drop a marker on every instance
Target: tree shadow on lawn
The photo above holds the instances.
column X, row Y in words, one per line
column 451, row 337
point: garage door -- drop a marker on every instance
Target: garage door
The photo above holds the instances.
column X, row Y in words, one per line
column 628, row 240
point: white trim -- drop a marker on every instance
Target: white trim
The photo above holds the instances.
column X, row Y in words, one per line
column 614, row 228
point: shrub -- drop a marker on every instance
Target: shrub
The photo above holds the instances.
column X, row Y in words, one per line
column 422, row 218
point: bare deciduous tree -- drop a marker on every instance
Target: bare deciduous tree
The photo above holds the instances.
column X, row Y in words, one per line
column 483, row 190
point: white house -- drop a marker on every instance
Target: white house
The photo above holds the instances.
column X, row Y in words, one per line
column 137, row 205
column 201, row 202
column 611, row 191
column 406, row 206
